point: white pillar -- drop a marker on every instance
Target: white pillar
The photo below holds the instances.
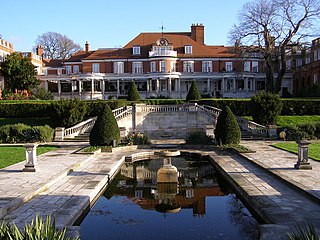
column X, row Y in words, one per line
column 222, row 85
column 157, row 85
column 59, row 87
column 254, row 84
column 118, row 88
column 92, row 88
column 234, row 84
column 169, row 86
column 31, row 157
column 208, row 86
column 246, row 84
column 80, row 88
column 103, row 88
column 45, row 85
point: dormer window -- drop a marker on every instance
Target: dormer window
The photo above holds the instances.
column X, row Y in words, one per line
column 136, row 50
column 188, row 49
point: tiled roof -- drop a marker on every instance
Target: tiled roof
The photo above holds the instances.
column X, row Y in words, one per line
column 146, row 40
column 78, row 56
column 53, row 62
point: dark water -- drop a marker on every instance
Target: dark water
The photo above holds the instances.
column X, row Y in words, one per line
column 200, row 206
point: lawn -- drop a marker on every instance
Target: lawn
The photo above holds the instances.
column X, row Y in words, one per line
column 13, row 154
column 314, row 148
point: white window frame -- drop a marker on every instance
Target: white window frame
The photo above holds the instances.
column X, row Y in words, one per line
column 188, row 66
column 153, row 66
column 207, row 66
column 162, row 66
column 118, row 67
column 247, row 66
column 188, row 49
column 95, row 68
column 255, row 66
column 137, row 67
column 229, row 67
column 68, row 69
column 76, row 69
column 136, row 50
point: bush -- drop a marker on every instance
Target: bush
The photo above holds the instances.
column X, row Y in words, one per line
column 69, row 112
column 105, row 129
column 198, row 137
column 137, row 139
column 193, row 93
column 133, row 93
column 25, row 109
column 265, row 108
column 227, row 129
column 41, row 93
column 302, row 131
column 21, row 133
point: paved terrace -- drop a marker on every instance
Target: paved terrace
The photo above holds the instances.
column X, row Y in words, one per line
column 65, row 183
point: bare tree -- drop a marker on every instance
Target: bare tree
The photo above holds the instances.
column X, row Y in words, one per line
column 271, row 26
column 56, row 45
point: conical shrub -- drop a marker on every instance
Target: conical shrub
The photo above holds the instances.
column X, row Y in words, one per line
column 133, row 93
column 193, row 93
column 105, row 129
column 227, row 129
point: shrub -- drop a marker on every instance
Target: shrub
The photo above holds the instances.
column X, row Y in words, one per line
column 41, row 93
column 227, row 129
column 137, row 139
column 193, row 93
column 133, row 93
column 198, row 137
column 265, row 108
column 69, row 112
column 105, row 129
column 302, row 131
column 21, row 133
column 25, row 109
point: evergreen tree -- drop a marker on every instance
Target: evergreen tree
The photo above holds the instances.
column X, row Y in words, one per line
column 133, row 94
column 227, row 129
column 19, row 73
column 105, row 129
column 193, row 93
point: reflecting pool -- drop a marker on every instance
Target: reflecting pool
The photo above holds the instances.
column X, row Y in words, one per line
column 168, row 198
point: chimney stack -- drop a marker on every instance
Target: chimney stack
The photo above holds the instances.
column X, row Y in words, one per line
column 87, row 46
column 39, row 50
column 197, row 33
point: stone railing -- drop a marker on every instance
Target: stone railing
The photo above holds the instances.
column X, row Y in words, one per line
column 252, row 127
column 122, row 112
column 61, row 133
column 208, row 110
column 166, row 108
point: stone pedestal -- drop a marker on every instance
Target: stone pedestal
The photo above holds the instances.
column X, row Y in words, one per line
column 59, row 134
column 31, row 157
column 303, row 147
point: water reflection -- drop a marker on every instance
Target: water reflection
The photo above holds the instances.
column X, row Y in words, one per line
column 168, row 184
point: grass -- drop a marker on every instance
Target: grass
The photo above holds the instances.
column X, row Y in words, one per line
column 29, row 121
column 13, row 154
column 284, row 121
column 314, row 148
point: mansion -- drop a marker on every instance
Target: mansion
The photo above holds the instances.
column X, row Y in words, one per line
column 164, row 64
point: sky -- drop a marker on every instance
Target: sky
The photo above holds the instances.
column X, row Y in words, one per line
column 113, row 23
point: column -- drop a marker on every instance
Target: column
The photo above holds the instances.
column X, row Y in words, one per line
column 80, row 88
column 103, row 88
column 45, row 85
column 92, row 88
column 234, row 84
column 59, row 87
column 118, row 88
column 157, row 86
column 246, row 84
column 222, row 85
column 254, row 84
column 31, row 157
column 208, row 86
column 169, row 86
column 72, row 88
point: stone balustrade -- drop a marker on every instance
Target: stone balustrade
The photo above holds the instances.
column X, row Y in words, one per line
column 252, row 127
column 122, row 112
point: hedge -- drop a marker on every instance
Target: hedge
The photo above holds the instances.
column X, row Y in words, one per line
column 21, row 133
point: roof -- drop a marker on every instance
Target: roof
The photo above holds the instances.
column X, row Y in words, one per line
column 78, row 56
column 146, row 40
column 54, row 63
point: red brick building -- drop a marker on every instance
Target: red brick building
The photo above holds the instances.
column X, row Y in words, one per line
column 161, row 64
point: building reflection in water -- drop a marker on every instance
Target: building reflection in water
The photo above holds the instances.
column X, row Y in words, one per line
column 168, row 184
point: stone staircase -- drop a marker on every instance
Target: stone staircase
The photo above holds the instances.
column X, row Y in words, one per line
column 83, row 137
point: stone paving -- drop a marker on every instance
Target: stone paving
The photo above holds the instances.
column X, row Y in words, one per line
column 66, row 183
